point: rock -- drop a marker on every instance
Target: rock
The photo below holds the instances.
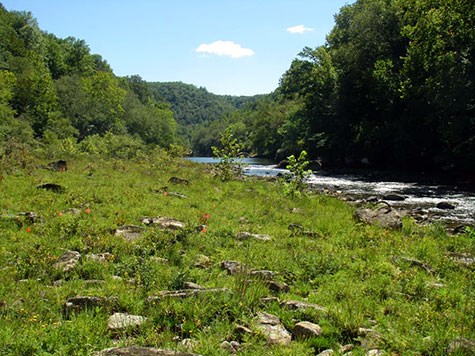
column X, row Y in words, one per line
column 185, row 293
column 297, row 211
column 140, row 351
column 129, row 232
column 72, row 211
column 80, row 303
column 347, row 348
column 58, row 166
column 462, row 346
column 247, row 235
column 56, row 188
column 120, row 322
column 176, row 180
column 306, row 329
column 263, row 274
column 188, row 344
column 275, row 333
column 233, row 267
column 243, row 330
column 100, row 257
column 67, row 261
column 177, row 195
column 462, row 258
column 278, row 287
column 444, row 205
column 385, row 217
column 164, row 223
column 326, row 352
column 394, row 197
column 269, row 300
column 231, row 347
column 203, row 261
column 418, row 263
column 191, row 285
column 298, row 305
column 374, row 352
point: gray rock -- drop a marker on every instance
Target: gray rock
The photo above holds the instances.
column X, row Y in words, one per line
column 231, row 347
column 306, row 329
column 233, row 267
column 326, row 352
column 120, row 322
column 176, row 180
column 163, row 222
column 394, row 197
column 462, row 346
column 263, row 274
column 129, row 232
column 299, row 305
column 203, row 261
column 79, row 303
column 191, row 285
column 462, row 258
column 385, row 217
column 278, row 287
column 100, row 257
column 247, row 235
column 68, row 261
column 374, row 352
column 275, row 333
column 185, row 293
column 444, row 205
column 141, row 351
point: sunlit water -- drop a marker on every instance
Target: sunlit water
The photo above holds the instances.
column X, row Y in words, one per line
column 416, row 195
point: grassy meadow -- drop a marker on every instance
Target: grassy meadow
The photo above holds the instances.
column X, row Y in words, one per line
column 399, row 292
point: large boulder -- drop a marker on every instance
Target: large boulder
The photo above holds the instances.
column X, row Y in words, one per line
column 273, row 330
column 385, row 216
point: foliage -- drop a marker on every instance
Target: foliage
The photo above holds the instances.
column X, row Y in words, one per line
column 230, row 156
column 295, row 184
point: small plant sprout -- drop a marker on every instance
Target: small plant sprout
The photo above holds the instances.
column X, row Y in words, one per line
column 295, row 184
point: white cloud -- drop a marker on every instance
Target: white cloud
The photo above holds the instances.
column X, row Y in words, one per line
column 299, row 29
column 225, row 48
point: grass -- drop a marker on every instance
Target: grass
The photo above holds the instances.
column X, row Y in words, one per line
column 361, row 274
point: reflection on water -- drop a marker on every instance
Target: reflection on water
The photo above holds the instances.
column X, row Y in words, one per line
column 415, row 195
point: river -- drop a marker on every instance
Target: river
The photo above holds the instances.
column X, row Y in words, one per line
column 423, row 198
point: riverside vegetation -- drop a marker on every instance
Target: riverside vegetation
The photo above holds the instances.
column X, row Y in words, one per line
column 253, row 248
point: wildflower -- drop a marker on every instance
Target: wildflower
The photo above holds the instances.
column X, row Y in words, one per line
column 60, row 213
column 165, row 194
column 28, row 229
column 207, row 216
column 87, row 211
column 203, row 230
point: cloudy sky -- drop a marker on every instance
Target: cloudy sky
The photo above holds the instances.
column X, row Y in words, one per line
column 235, row 47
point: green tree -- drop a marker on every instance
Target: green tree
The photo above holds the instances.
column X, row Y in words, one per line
column 230, row 155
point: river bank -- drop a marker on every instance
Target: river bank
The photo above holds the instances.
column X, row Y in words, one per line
column 426, row 198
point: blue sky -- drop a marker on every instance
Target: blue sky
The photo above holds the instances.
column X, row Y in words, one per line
column 234, row 47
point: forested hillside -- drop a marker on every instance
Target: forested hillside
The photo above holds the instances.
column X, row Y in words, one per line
column 194, row 107
column 393, row 86
column 55, row 92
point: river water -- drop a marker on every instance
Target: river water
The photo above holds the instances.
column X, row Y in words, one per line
column 417, row 196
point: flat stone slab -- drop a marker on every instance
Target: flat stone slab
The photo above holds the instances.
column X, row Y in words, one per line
column 247, row 235
column 270, row 326
column 67, row 261
column 306, row 329
column 185, row 293
column 299, row 305
column 79, row 303
column 164, row 223
column 121, row 321
column 129, row 232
